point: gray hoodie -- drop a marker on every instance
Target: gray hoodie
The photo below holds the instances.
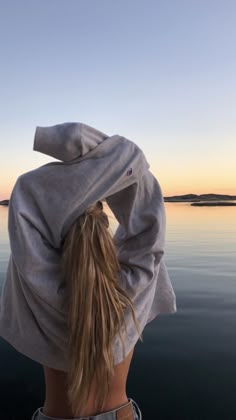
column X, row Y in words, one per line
column 44, row 204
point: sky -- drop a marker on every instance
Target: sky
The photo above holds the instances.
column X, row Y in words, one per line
column 158, row 72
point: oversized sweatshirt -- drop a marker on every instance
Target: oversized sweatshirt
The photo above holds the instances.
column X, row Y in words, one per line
column 44, row 204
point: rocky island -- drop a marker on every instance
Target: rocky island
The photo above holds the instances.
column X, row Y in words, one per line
column 4, row 202
column 214, row 203
column 203, row 199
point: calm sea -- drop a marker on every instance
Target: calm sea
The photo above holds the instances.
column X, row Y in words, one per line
column 186, row 367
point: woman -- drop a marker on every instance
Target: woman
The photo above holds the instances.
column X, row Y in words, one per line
column 91, row 270
column 82, row 298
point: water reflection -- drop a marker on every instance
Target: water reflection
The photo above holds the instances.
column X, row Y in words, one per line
column 186, row 367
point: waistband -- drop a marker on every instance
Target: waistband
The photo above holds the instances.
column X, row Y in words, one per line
column 128, row 411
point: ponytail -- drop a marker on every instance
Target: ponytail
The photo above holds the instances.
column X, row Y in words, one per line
column 96, row 305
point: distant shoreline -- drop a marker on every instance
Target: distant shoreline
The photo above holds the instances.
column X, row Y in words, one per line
column 214, row 203
column 203, row 199
column 193, row 199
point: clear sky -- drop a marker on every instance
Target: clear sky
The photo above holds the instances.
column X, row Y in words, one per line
column 159, row 72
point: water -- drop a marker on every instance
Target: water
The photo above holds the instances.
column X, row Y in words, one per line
column 186, row 367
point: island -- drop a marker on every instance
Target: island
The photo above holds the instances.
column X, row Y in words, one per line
column 203, row 199
column 214, row 203
column 4, row 202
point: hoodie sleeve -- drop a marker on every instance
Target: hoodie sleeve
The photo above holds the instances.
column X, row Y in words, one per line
column 68, row 141
column 139, row 241
column 140, row 236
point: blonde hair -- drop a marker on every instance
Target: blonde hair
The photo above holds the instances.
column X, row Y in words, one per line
column 96, row 305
